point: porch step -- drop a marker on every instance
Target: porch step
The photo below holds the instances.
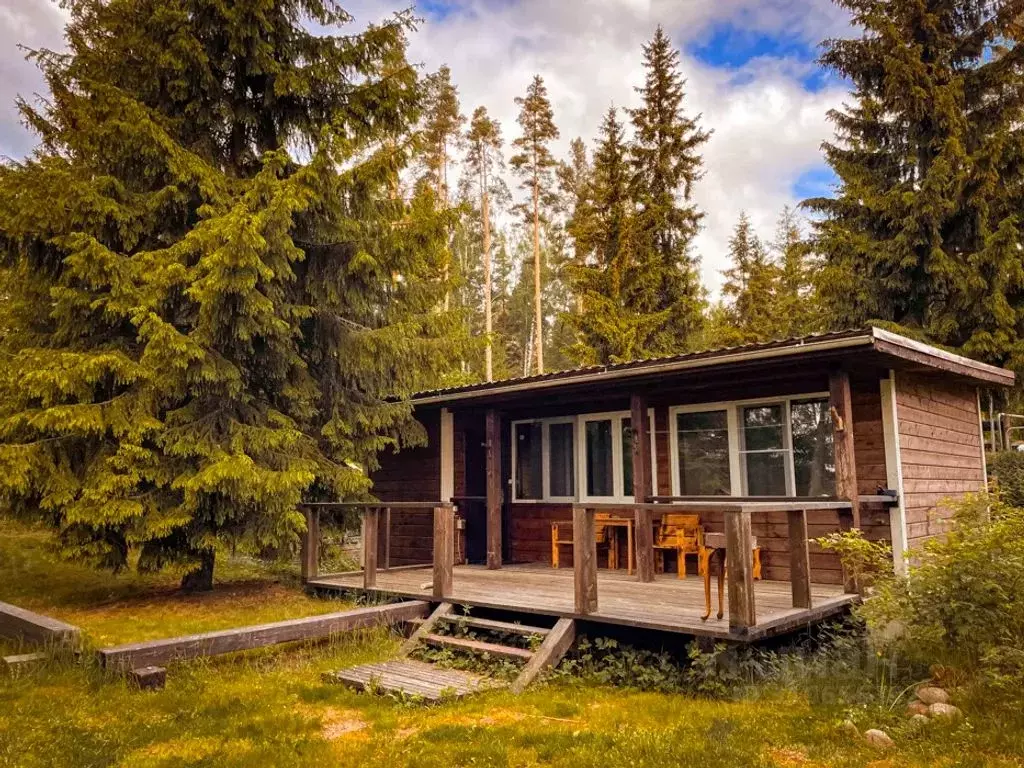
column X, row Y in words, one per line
column 525, row 630
column 478, row 646
column 416, row 679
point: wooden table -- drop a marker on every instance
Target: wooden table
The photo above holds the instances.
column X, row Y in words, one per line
column 714, row 543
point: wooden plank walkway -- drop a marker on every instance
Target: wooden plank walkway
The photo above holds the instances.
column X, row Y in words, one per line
column 412, row 678
column 667, row 604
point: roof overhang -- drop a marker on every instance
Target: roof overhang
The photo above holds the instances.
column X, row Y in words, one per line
column 874, row 340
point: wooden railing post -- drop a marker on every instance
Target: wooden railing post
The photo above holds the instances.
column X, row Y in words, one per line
column 444, row 550
column 643, row 536
column 799, row 558
column 739, row 557
column 309, row 556
column 370, row 533
column 387, row 539
column 584, row 560
column 847, row 523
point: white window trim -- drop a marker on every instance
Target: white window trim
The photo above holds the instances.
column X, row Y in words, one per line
column 579, row 456
column 546, row 458
column 732, row 408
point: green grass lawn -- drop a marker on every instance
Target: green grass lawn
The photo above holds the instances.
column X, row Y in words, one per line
column 270, row 708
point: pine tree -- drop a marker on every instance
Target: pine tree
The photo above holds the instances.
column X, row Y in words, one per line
column 535, row 164
column 484, row 163
column 620, row 316
column 751, row 283
column 666, row 165
column 925, row 229
column 201, row 324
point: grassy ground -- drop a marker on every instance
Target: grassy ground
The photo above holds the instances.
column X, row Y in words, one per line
column 270, row 708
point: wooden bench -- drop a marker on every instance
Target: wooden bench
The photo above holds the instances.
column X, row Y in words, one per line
column 606, row 527
column 681, row 534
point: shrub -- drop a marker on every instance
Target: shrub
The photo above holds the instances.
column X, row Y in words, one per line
column 864, row 562
column 1007, row 469
column 961, row 604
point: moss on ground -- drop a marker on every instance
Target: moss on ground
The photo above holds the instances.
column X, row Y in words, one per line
column 270, row 708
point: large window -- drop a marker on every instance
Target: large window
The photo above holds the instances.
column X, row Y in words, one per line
column 587, row 457
column 703, row 453
column 778, row 447
column 527, row 440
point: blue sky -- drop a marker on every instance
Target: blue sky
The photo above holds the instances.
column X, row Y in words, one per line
column 750, row 65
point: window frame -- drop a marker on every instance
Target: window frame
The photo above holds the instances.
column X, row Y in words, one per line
column 734, row 425
column 579, row 458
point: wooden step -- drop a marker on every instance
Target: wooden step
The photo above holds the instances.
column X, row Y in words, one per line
column 495, row 626
column 478, row 646
column 412, row 678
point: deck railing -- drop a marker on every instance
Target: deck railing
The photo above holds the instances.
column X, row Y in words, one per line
column 738, row 548
column 443, row 558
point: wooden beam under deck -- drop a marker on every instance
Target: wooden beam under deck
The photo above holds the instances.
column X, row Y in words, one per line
column 668, row 604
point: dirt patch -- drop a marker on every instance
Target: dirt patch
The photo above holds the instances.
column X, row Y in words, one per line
column 340, row 722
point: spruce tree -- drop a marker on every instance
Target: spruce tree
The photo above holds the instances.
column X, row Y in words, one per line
column 535, row 165
column 924, row 230
column 751, row 285
column 443, row 123
column 575, row 178
column 796, row 309
column 667, row 163
column 620, row 317
column 210, row 285
column 484, row 163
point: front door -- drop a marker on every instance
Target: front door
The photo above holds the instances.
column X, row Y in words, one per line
column 474, row 508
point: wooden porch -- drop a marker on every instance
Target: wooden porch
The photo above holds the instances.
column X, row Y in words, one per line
column 750, row 609
column 667, row 604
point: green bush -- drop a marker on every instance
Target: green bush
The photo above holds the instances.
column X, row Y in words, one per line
column 961, row 604
column 1006, row 469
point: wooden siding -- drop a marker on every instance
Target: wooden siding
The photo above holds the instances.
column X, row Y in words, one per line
column 413, row 474
column 940, row 449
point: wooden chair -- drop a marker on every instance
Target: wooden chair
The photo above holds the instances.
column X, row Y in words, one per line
column 681, row 533
column 561, row 535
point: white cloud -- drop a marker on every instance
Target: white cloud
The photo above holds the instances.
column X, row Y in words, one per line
column 767, row 126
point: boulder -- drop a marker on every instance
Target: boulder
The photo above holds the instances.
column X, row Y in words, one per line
column 917, row 708
column 946, row 711
column 879, row 739
column 930, row 694
column 850, row 729
column 919, row 721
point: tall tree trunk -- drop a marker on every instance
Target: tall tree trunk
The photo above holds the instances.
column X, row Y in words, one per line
column 200, row 579
column 442, row 194
column 538, row 317
column 488, row 351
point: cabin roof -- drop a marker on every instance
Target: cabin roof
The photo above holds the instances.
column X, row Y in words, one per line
column 874, row 342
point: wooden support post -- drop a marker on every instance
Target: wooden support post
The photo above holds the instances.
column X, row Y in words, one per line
column 371, row 530
column 739, row 556
column 642, row 487
column 495, row 492
column 846, row 523
column 309, row 555
column 643, row 522
column 584, row 560
column 444, row 550
column 387, row 539
column 842, row 424
column 799, row 558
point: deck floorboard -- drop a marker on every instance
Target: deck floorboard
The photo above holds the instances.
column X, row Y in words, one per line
column 667, row 604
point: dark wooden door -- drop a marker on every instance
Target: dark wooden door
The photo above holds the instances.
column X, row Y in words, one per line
column 474, row 507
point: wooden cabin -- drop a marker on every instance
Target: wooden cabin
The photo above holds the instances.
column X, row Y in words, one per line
column 768, row 446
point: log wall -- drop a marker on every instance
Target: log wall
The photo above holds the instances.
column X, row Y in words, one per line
column 940, row 449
